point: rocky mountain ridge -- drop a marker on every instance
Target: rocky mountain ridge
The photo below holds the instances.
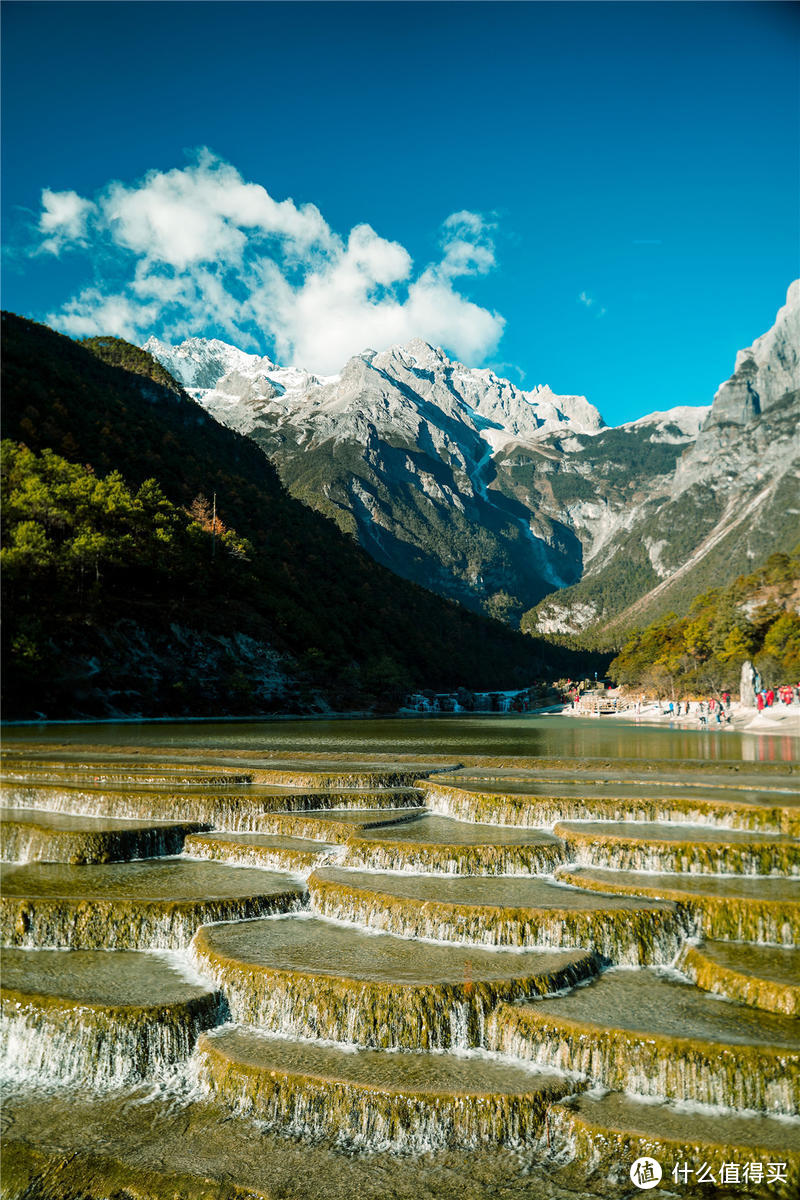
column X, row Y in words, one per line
column 499, row 497
column 733, row 499
column 426, row 461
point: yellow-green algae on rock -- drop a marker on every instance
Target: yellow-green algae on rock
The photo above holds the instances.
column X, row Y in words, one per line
column 335, row 824
column 702, row 849
column 31, row 1172
column 710, row 774
column 371, row 1098
column 99, row 1018
column 501, row 911
column 638, row 1032
column 300, row 770
column 344, row 776
column 152, row 904
column 307, row 977
column 232, row 809
column 298, row 855
column 137, row 1145
column 733, row 908
column 33, row 835
column 461, row 1008
column 31, row 770
column 326, row 799
column 544, row 805
column 603, row 1137
column 435, row 843
column 767, row 977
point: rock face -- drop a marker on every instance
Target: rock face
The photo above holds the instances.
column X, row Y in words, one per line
column 731, row 501
column 452, row 477
column 765, row 372
column 750, row 684
column 498, row 497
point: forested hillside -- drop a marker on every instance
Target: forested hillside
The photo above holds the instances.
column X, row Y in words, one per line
column 730, row 502
column 755, row 618
column 122, row 595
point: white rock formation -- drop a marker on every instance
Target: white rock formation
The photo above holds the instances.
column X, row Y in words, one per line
column 764, row 372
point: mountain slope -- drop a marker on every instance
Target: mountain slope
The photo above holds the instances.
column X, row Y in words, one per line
column 733, row 499
column 450, row 476
column 520, row 502
column 755, row 617
column 306, row 595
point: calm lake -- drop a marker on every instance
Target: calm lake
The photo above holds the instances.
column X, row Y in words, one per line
column 495, row 735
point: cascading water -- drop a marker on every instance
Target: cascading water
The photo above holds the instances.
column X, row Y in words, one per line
column 441, row 993
column 425, row 1102
column 695, row 1048
column 38, row 836
column 98, row 1018
column 94, row 1049
column 283, row 976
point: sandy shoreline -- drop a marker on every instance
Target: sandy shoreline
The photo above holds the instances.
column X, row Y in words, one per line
column 781, row 719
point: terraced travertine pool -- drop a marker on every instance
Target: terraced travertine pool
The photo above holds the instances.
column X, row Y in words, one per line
column 241, row 967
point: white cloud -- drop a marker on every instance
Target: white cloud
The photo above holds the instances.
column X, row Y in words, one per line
column 202, row 213
column 91, row 313
column 467, row 244
column 202, row 251
column 64, row 220
column 590, row 302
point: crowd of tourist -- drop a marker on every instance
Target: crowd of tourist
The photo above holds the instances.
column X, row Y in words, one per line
column 718, row 711
column 710, row 711
column 785, row 694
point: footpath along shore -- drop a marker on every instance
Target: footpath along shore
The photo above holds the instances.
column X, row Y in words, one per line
column 780, row 719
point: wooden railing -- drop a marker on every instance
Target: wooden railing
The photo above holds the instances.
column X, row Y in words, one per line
column 599, row 705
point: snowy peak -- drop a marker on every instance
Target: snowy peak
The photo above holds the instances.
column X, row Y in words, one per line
column 235, row 387
column 478, row 392
column 679, row 424
column 411, row 384
column 199, row 363
column 493, row 494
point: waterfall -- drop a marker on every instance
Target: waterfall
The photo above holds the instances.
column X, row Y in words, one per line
column 126, row 924
column 101, row 1048
column 745, row 1076
column 375, row 1117
column 629, row 936
column 530, row 859
column 25, row 842
column 365, row 1012
column 544, row 812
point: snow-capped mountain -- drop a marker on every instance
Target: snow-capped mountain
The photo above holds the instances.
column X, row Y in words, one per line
column 399, row 449
column 222, row 377
column 198, row 363
column 460, row 480
column 675, row 425
column 225, row 379
column 445, row 473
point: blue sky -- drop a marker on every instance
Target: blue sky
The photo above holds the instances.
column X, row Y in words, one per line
column 602, row 197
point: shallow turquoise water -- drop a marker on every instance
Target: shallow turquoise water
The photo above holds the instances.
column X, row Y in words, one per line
column 497, row 734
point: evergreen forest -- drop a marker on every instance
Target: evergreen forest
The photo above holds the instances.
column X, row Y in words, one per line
column 154, row 563
column 753, row 618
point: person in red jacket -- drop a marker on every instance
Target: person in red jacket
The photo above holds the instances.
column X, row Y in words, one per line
column 760, row 701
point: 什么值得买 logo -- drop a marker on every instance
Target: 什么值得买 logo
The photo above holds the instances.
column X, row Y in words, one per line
column 645, row 1173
